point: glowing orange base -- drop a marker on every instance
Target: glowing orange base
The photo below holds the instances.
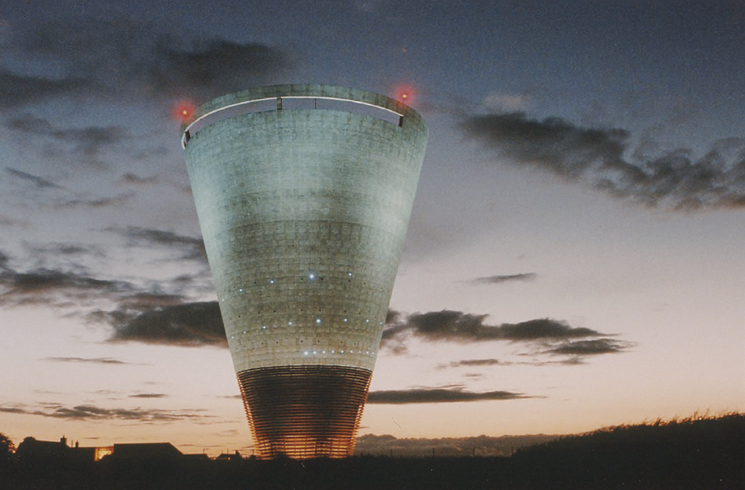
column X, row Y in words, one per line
column 304, row 411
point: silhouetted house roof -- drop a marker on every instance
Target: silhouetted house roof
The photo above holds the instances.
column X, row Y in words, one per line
column 154, row 451
column 229, row 457
column 33, row 451
column 84, row 453
column 197, row 457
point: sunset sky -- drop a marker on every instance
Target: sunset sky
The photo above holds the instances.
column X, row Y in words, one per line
column 574, row 258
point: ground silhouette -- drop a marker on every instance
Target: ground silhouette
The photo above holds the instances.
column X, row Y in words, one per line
column 694, row 453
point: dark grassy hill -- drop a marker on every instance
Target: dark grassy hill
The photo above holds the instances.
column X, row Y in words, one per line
column 697, row 452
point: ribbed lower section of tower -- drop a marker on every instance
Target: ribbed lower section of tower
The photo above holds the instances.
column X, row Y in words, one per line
column 304, row 411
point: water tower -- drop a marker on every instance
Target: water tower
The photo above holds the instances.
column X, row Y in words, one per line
column 304, row 194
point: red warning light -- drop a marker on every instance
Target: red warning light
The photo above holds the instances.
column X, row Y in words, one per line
column 183, row 110
column 405, row 93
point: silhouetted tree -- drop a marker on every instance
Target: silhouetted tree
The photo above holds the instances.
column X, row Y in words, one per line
column 6, row 449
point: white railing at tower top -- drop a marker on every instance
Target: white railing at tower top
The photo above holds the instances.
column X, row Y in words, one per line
column 259, row 105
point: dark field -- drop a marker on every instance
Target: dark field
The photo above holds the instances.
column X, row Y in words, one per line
column 697, row 453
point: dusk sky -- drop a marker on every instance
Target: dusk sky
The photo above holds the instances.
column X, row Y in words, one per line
column 574, row 258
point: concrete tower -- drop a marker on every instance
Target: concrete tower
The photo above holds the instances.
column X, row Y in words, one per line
column 304, row 194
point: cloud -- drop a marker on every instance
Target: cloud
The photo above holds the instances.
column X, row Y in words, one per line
column 95, row 413
column 75, row 288
column 149, row 316
column 134, row 179
column 544, row 328
column 18, row 90
column 188, row 324
column 464, row 327
column 85, row 144
column 529, row 276
column 63, row 249
column 12, row 410
column 49, row 286
column 86, row 360
column 37, row 181
column 65, row 150
column 589, row 347
column 437, row 395
column 8, row 221
column 103, row 202
column 193, row 248
column 553, row 337
column 597, row 157
column 90, row 412
column 576, row 353
column 146, row 300
column 88, row 139
column 216, row 66
column 46, row 280
column 127, row 59
column 4, row 262
column 149, row 395
column 476, row 362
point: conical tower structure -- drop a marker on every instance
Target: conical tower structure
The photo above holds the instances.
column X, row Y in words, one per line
column 304, row 194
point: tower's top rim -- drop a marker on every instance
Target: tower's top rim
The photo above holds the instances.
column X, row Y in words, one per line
column 318, row 91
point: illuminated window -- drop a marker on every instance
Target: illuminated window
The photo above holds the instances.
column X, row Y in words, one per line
column 100, row 452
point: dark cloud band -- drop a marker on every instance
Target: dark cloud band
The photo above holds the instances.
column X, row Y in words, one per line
column 95, row 413
column 45, row 286
column 589, row 347
column 556, row 337
column 34, row 179
column 465, row 327
column 190, row 324
column 86, row 360
column 528, row 276
column 131, row 60
column 598, row 158
column 437, row 395
column 191, row 247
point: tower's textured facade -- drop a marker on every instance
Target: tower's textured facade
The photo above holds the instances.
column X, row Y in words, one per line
column 304, row 194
